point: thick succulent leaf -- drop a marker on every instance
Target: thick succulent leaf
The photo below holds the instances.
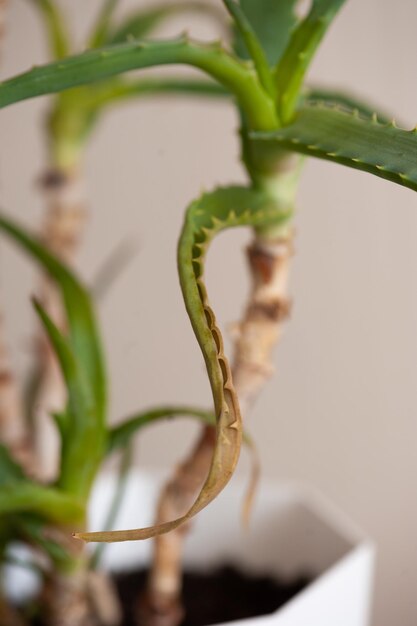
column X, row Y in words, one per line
column 53, row 505
column 140, row 23
column 253, row 45
column 315, row 95
column 83, row 333
column 348, row 139
column 96, row 65
column 273, row 22
column 80, row 398
column 55, row 27
column 296, row 59
column 82, row 366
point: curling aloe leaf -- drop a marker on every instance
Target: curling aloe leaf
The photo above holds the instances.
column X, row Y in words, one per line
column 345, row 138
column 205, row 218
column 272, row 21
column 302, row 46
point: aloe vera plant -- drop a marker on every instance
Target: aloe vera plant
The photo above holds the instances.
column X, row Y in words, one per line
column 282, row 120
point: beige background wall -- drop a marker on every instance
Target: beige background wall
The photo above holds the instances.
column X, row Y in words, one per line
column 342, row 412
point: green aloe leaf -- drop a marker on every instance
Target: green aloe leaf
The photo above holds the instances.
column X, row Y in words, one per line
column 96, row 65
column 315, row 95
column 272, row 21
column 83, row 333
column 121, row 435
column 253, row 45
column 140, row 23
column 299, row 53
column 383, row 150
column 52, row 504
column 19, row 494
column 83, row 368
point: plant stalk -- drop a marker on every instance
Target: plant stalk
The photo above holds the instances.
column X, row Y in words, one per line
column 80, row 597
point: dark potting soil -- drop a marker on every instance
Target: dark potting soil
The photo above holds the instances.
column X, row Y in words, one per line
column 223, row 595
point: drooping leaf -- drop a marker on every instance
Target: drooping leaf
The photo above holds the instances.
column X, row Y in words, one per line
column 349, row 139
column 273, row 21
column 206, row 217
column 96, row 65
column 300, row 51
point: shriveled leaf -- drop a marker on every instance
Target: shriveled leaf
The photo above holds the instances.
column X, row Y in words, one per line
column 299, row 53
column 273, row 21
column 213, row 212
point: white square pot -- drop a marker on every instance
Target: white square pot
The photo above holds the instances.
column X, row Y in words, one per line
column 293, row 531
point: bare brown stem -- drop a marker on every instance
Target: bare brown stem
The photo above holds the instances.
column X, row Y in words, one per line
column 84, row 598
column 9, row 616
column 256, row 336
column 61, row 232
